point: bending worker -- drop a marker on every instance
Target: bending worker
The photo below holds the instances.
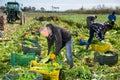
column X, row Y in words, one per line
column 90, row 20
column 99, row 29
column 61, row 38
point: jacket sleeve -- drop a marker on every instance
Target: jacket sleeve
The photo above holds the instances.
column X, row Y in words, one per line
column 49, row 46
column 58, row 42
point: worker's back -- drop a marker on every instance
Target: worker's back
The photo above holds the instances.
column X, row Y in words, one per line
column 90, row 20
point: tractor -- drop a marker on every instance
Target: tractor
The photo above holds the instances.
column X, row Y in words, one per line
column 14, row 12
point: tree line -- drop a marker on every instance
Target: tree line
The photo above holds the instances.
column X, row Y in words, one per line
column 99, row 10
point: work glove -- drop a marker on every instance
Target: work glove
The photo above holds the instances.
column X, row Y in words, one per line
column 103, row 41
column 52, row 56
column 25, row 33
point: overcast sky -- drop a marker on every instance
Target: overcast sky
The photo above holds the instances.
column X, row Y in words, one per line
column 65, row 4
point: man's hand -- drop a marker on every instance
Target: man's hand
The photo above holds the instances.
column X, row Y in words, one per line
column 52, row 56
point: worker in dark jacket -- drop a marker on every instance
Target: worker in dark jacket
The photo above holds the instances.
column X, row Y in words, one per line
column 90, row 19
column 61, row 38
column 99, row 29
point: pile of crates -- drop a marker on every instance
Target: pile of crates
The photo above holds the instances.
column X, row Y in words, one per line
column 3, row 21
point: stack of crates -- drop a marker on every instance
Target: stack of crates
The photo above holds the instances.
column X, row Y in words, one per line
column 3, row 22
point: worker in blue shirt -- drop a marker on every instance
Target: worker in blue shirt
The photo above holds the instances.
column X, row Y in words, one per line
column 112, row 17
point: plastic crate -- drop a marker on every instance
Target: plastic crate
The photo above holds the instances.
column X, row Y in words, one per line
column 30, row 75
column 21, row 59
column 101, row 47
column 47, row 75
column 109, row 58
column 31, row 47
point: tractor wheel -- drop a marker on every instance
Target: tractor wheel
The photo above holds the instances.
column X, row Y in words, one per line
column 22, row 18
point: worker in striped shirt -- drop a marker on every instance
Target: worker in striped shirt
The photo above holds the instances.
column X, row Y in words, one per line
column 99, row 29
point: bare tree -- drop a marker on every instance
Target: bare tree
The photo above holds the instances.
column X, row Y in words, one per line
column 42, row 9
column 33, row 8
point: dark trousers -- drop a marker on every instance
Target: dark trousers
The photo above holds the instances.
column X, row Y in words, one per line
column 90, row 37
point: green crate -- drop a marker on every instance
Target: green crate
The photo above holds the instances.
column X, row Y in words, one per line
column 30, row 75
column 21, row 59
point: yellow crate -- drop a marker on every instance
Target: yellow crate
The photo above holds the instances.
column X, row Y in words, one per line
column 82, row 37
column 101, row 48
column 47, row 75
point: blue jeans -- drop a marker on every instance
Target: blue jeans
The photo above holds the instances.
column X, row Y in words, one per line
column 90, row 37
column 69, row 53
